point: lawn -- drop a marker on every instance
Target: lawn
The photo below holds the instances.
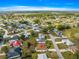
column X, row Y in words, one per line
column 52, row 55
column 54, row 34
column 47, row 36
column 3, row 57
column 58, row 40
column 2, row 32
column 73, row 31
column 34, row 55
column 68, row 55
column 75, row 37
column 49, row 44
column 62, row 46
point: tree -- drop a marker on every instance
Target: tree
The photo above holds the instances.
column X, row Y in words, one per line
column 77, row 55
column 22, row 36
column 5, row 49
column 50, row 27
column 1, row 35
column 60, row 27
column 24, row 22
column 36, row 21
column 44, row 30
column 34, row 34
column 26, row 53
column 49, row 23
column 63, row 27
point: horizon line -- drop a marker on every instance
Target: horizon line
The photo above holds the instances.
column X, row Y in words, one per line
column 35, row 8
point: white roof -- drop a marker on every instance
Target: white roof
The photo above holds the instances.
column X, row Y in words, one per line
column 42, row 56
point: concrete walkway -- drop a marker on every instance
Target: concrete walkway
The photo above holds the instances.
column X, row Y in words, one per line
column 59, row 42
column 61, row 50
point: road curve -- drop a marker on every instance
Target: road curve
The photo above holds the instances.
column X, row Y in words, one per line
column 6, row 32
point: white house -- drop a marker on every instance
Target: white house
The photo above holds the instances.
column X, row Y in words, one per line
column 36, row 28
column 67, row 41
column 22, row 25
column 42, row 56
column 5, row 36
column 40, row 38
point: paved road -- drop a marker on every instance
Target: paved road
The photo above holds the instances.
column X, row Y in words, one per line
column 56, row 47
column 6, row 32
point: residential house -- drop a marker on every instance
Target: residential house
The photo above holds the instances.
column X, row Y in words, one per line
column 41, row 38
column 15, row 37
column 67, row 41
column 12, row 54
column 36, row 28
column 1, row 41
column 42, row 56
column 15, row 43
column 22, row 26
column 59, row 33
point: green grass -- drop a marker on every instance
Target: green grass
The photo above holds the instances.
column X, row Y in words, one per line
column 69, row 33
column 34, row 55
column 54, row 34
column 49, row 44
column 47, row 36
column 52, row 55
column 25, row 43
column 72, row 35
column 68, row 55
column 58, row 40
column 3, row 57
column 62, row 46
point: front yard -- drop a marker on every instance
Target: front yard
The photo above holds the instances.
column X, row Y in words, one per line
column 58, row 40
column 68, row 55
column 52, row 55
column 49, row 44
column 62, row 46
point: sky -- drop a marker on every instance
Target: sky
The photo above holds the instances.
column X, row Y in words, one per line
column 39, row 5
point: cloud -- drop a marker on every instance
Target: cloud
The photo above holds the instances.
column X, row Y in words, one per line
column 32, row 8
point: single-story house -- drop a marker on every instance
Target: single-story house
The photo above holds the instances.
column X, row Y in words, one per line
column 41, row 46
column 5, row 36
column 67, row 41
column 40, row 38
column 36, row 27
column 15, row 43
column 42, row 56
column 26, row 35
column 19, row 50
column 59, row 33
column 15, row 37
column 22, row 26
column 12, row 54
column 1, row 41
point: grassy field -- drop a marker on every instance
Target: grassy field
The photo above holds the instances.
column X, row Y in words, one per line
column 52, row 55
column 62, row 46
column 49, row 44
column 73, row 35
column 68, row 55
column 3, row 57
column 54, row 34
column 47, row 36
column 34, row 55
column 73, row 31
column 58, row 40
